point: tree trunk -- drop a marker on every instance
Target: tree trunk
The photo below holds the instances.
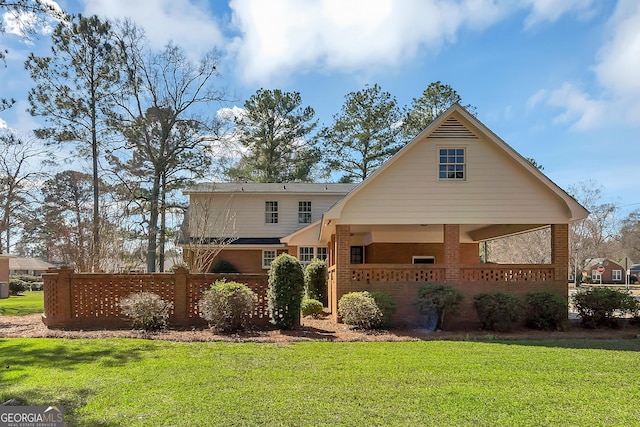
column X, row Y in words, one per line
column 163, row 222
column 152, row 244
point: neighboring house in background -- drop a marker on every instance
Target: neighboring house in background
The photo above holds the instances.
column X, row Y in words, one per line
column 613, row 271
column 28, row 266
column 419, row 218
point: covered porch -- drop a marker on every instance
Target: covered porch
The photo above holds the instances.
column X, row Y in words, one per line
column 399, row 262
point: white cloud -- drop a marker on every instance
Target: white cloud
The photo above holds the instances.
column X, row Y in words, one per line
column 580, row 110
column 618, row 66
column 3, row 124
column 181, row 21
column 280, row 36
column 552, row 10
column 617, row 69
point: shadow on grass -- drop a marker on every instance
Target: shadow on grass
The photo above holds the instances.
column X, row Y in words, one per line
column 25, row 355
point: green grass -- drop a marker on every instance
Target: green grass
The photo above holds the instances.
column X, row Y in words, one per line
column 20, row 305
column 128, row 382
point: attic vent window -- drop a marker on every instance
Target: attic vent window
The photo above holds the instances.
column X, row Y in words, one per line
column 452, row 164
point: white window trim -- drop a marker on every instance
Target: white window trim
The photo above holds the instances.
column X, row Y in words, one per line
column 314, row 255
column 276, row 212
column 616, row 274
column 465, row 164
column 268, row 266
column 305, row 213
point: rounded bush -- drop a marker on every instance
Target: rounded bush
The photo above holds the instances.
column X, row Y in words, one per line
column 311, row 307
column 227, row 305
column 224, row 267
column 147, row 310
column 497, row 311
column 17, row 286
column 603, row 306
column 359, row 309
column 387, row 306
column 285, row 292
column 443, row 299
column 546, row 310
column 315, row 280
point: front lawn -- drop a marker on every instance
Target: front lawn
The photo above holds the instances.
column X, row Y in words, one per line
column 130, row 382
column 30, row 302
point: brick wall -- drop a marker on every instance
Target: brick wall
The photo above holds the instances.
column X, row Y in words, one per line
column 403, row 253
column 91, row 300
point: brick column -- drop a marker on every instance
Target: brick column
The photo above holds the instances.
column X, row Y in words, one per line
column 452, row 253
column 343, row 267
column 180, row 311
column 560, row 252
column 57, row 297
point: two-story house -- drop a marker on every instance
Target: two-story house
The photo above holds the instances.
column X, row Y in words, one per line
column 419, row 218
column 243, row 224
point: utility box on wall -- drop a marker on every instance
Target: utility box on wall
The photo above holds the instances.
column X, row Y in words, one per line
column 4, row 275
column 4, row 290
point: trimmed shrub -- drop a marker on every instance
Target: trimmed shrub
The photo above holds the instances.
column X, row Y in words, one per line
column 227, row 305
column 497, row 311
column 603, row 306
column 443, row 299
column 224, row 267
column 37, row 286
column 315, row 281
column 147, row 310
column 17, row 286
column 311, row 307
column 359, row 309
column 27, row 278
column 285, row 292
column 387, row 306
column 546, row 310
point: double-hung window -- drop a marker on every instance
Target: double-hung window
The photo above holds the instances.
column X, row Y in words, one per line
column 267, row 257
column 305, row 255
column 452, row 164
column 271, row 212
column 616, row 275
column 304, row 212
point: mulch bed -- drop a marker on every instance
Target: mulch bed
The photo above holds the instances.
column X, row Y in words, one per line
column 320, row 329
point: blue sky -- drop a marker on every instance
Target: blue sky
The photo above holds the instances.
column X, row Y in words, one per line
column 558, row 80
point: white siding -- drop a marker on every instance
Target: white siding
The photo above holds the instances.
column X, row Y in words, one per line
column 497, row 190
column 249, row 211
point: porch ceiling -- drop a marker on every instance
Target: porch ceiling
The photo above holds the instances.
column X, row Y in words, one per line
column 433, row 233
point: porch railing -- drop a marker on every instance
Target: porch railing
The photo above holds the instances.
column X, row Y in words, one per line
column 483, row 273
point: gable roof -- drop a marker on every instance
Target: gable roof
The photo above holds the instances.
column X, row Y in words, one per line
column 28, row 264
column 458, row 126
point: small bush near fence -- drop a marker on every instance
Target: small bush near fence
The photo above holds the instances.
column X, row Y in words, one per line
column 147, row 310
column 604, row 307
column 546, row 310
column 497, row 311
column 443, row 300
column 311, row 307
column 359, row 309
column 315, row 281
column 227, row 305
column 286, row 290
column 387, row 306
